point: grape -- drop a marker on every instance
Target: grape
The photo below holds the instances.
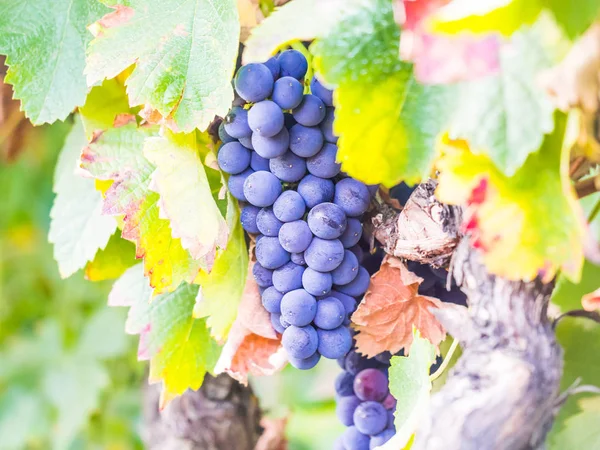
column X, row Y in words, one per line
column 334, row 343
column 339, row 444
column 267, row 223
column 276, row 323
column 324, row 255
column 370, row 418
column 287, row 92
column 262, row 276
column 354, row 439
column 347, row 270
column 344, row 384
column 295, row 237
column 391, row 419
column 273, row 66
column 289, row 206
column 323, row 165
column 381, row 438
column 288, row 277
column 330, row 313
column 265, row 118
column 355, row 362
column 254, row 82
column 352, row 233
column 300, row 342
column 270, row 254
column 352, row 196
column 345, row 409
column 327, row 221
column 371, row 384
column 315, row 190
column 389, row 402
column 236, row 123
column 246, row 142
column 316, row 283
column 223, row 136
column 310, row 112
column 248, row 218
column 271, row 300
column 284, row 323
column 326, row 127
column 271, row 147
column 402, row 192
column 358, row 252
column 236, row 184
column 348, row 302
column 298, row 307
column 288, row 167
column 305, row 141
column 321, row 91
column 373, row 188
column 358, row 286
column 233, row 157
column 384, row 358
column 262, row 188
column 257, row 162
column 306, row 363
column 289, row 120
column 439, row 272
column 298, row 258
column 293, row 64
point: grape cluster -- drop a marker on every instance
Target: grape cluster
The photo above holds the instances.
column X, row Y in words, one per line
column 280, row 151
column 364, row 403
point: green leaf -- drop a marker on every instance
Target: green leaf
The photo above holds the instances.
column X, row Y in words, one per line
column 298, row 20
column 506, row 115
column 380, row 105
column 574, row 16
column 77, row 227
column 184, row 52
column 567, row 295
column 580, row 431
column 111, row 262
column 221, row 290
column 23, row 418
column 411, row 386
column 102, row 336
column 45, row 46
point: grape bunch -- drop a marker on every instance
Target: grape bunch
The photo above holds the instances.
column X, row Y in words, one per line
column 364, row 403
column 280, row 152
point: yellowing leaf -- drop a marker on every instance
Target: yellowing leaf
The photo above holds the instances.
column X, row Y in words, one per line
column 112, row 261
column 526, row 225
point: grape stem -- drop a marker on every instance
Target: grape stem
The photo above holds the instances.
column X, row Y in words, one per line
column 435, row 375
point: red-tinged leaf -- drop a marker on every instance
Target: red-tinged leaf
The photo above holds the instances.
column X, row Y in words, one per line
column 591, row 301
column 119, row 16
column 391, row 307
column 273, row 436
column 410, row 13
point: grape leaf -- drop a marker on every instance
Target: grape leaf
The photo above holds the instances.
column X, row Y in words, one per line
column 526, row 224
column 77, row 227
column 184, row 51
column 410, row 13
column 380, row 106
column 179, row 347
column 45, row 46
column 567, row 295
column 23, row 417
column 102, row 106
column 411, row 386
column 580, row 431
column 512, row 110
column 574, row 16
column 503, row 16
column 111, row 262
column 385, row 318
column 185, row 194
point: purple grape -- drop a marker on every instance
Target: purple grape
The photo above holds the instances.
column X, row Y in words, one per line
column 324, row 255
column 267, row 223
column 236, row 123
column 326, row 95
column 344, row 384
column 270, row 254
column 287, row 92
column 358, row 252
column 223, row 136
column 352, row 233
column 402, row 192
column 345, row 409
column 389, row 402
column 355, row 362
column 339, row 444
column 384, row 358
column 257, row 162
column 289, row 206
column 271, row 147
column 354, row 439
column 327, row 221
column 277, row 323
column 295, row 237
column 371, row 384
column 288, row 167
column 248, row 218
column 352, row 196
column 439, row 272
column 246, row 142
column 316, row 283
column 310, row 112
column 298, row 258
column 326, row 127
column 262, row 188
column 263, row 277
column 330, row 313
column 391, row 419
column 370, row 418
column 300, row 342
column 271, row 300
column 265, row 118
column 284, row 323
column 347, row 270
column 289, row 120
column 288, row 277
column 236, row 184
column 298, row 307
column 381, row 438
column 348, row 302
column 315, row 190
column 306, row 363
column 273, row 66
column 334, row 343
column 358, row 286
column 292, row 63
column 254, row 82
column 305, row 141
column 323, row 164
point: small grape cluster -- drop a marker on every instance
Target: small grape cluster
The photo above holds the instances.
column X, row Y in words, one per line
column 280, row 151
column 364, row 403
